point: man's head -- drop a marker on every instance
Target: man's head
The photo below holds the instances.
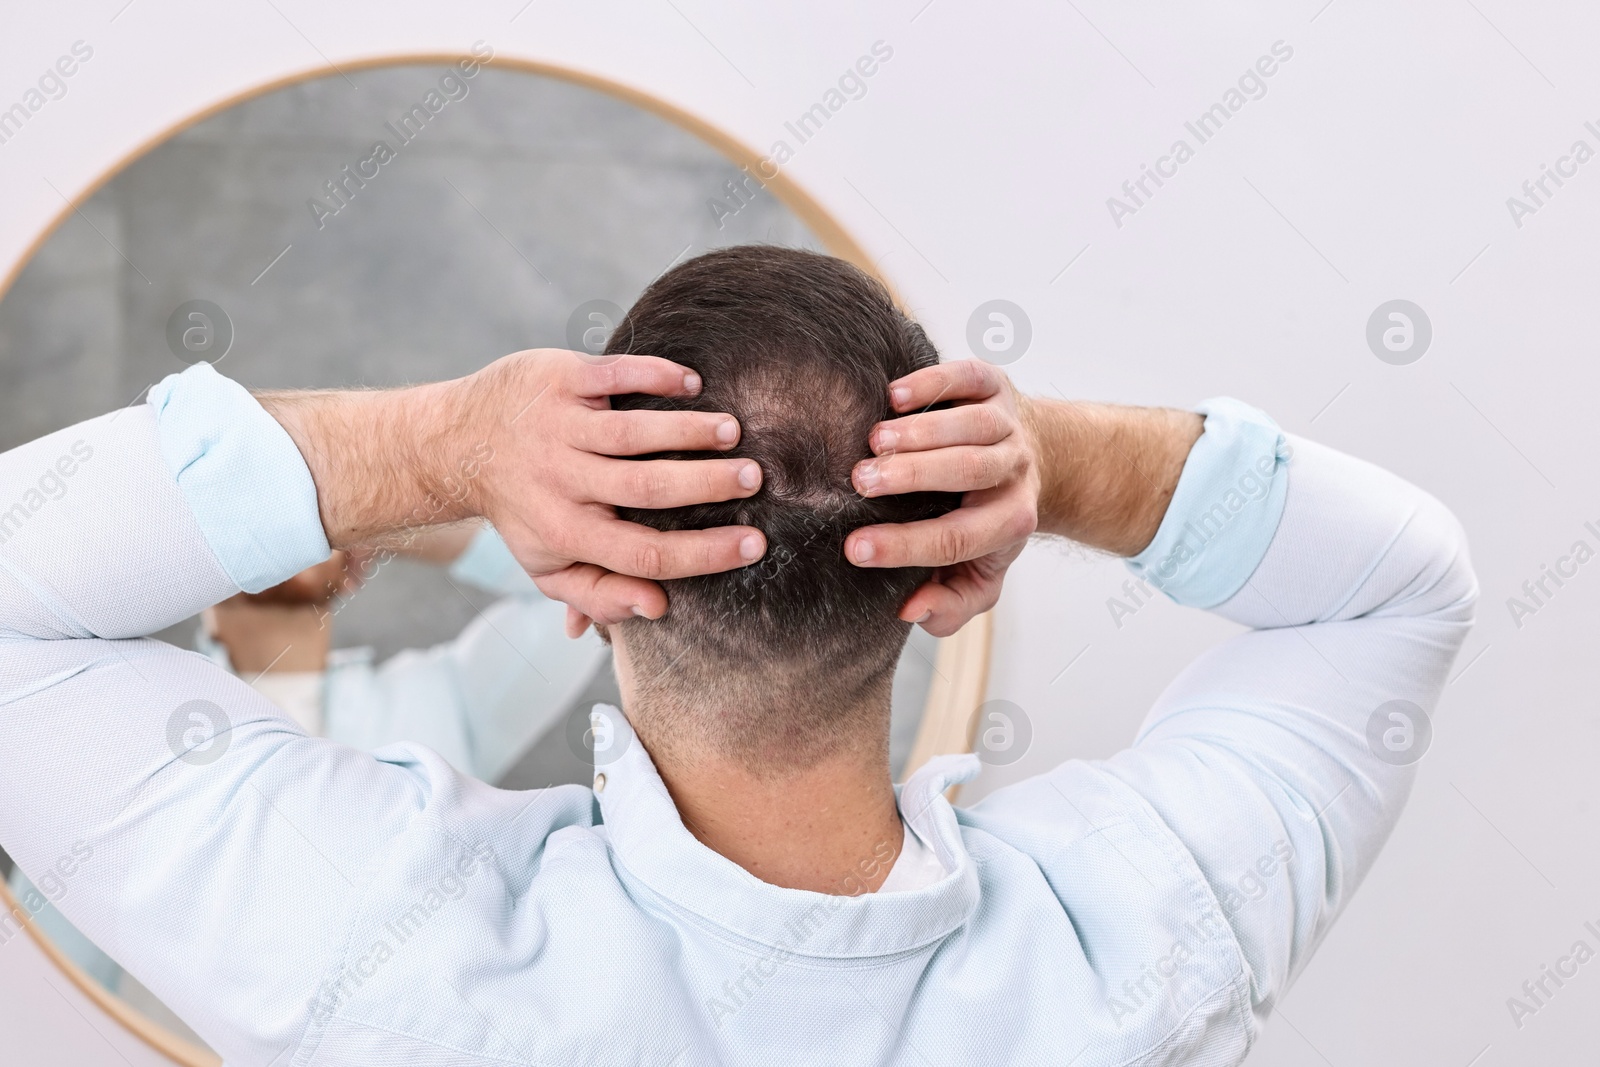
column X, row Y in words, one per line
column 790, row 657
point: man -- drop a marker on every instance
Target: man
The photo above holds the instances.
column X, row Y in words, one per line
column 742, row 884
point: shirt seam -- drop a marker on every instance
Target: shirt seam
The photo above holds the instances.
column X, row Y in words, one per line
column 1183, row 861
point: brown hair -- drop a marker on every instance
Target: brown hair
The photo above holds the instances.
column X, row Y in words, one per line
column 800, row 348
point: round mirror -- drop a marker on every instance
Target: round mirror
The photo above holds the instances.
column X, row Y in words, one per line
column 398, row 223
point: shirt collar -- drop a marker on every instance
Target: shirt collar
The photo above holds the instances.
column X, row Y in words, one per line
column 653, row 846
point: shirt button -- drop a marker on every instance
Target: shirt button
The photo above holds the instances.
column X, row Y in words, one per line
column 600, row 783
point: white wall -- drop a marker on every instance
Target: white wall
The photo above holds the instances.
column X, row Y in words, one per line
column 977, row 165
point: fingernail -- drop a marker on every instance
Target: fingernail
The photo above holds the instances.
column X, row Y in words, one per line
column 691, row 382
column 868, row 475
column 727, row 431
column 863, row 550
column 751, row 547
column 637, row 610
column 887, row 439
column 900, row 394
column 924, row 617
column 749, row 475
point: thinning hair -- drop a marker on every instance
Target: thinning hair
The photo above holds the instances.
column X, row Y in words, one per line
column 776, row 661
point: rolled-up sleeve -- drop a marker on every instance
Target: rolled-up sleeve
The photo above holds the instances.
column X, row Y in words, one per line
column 216, row 440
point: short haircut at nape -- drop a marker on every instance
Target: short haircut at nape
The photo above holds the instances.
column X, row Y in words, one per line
column 800, row 348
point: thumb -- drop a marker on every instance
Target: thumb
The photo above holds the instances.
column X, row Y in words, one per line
column 602, row 596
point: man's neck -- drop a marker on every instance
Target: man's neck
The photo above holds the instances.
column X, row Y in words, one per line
column 833, row 827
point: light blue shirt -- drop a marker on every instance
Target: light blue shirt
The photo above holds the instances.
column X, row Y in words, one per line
column 479, row 700
column 299, row 901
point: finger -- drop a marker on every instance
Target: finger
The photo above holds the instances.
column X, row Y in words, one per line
column 957, row 469
column 982, row 525
column 944, row 606
column 969, row 424
column 635, row 433
column 577, row 622
column 665, row 483
column 961, row 379
column 594, row 593
column 634, row 374
column 629, row 548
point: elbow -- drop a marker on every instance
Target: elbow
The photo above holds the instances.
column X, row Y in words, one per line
column 1445, row 586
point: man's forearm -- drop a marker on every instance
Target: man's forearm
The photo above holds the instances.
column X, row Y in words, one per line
column 1107, row 472
column 385, row 462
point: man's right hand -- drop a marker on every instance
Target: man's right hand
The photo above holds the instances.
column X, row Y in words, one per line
column 531, row 444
